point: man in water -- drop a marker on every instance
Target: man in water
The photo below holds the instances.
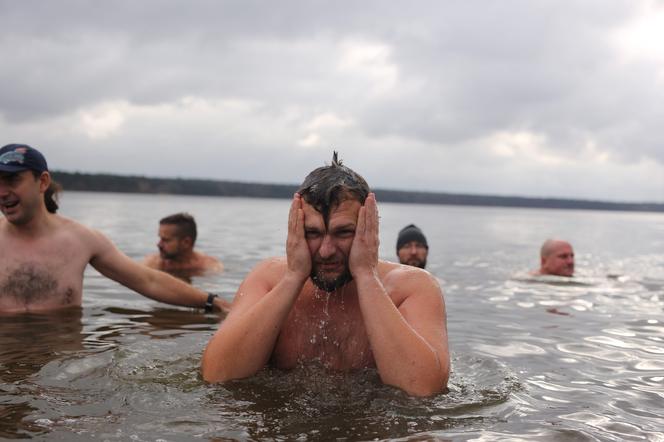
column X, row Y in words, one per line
column 412, row 247
column 43, row 255
column 177, row 236
column 332, row 301
column 556, row 258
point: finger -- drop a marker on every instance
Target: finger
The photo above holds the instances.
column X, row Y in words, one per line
column 372, row 214
column 360, row 228
column 292, row 213
column 299, row 228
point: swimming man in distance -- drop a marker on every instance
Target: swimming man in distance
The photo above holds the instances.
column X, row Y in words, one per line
column 330, row 300
column 177, row 236
column 43, row 255
column 556, row 258
column 412, row 247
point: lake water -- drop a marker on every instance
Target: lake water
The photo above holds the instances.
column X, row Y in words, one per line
column 531, row 359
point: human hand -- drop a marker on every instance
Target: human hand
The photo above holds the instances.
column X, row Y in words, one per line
column 221, row 305
column 364, row 251
column 297, row 250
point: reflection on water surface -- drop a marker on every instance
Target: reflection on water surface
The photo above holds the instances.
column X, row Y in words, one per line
column 579, row 359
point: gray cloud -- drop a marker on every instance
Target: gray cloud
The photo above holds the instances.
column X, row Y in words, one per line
column 513, row 97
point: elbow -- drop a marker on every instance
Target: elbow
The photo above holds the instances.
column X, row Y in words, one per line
column 427, row 388
column 213, row 373
column 217, row 369
column 428, row 384
column 212, row 369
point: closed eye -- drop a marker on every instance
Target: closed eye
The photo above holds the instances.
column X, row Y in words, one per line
column 345, row 233
column 311, row 234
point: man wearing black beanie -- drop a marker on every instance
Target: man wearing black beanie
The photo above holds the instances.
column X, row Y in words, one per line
column 412, row 247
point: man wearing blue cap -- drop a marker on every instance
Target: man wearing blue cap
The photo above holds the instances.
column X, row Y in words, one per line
column 44, row 255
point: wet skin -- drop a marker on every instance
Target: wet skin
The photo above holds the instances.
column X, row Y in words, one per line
column 389, row 316
column 177, row 256
column 559, row 261
column 44, row 255
column 413, row 253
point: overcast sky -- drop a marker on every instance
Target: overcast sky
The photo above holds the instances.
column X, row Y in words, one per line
column 528, row 98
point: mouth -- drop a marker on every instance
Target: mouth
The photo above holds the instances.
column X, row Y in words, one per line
column 328, row 267
column 7, row 205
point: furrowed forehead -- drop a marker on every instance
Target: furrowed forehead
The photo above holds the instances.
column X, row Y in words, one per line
column 312, row 217
column 345, row 212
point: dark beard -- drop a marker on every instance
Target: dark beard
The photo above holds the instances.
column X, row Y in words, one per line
column 165, row 255
column 417, row 263
column 331, row 285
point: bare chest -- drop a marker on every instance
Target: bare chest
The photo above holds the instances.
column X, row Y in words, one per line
column 333, row 336
column 38, row 276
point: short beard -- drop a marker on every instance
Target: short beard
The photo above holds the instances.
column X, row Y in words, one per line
column 331, row 285
column 421, row 264
column 169, row 256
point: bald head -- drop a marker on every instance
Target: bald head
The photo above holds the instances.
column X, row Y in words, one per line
column 556, row 258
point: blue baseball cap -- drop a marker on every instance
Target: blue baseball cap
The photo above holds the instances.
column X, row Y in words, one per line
column 19, row 157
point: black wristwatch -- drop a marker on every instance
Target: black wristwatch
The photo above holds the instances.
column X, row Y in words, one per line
column 209, row 304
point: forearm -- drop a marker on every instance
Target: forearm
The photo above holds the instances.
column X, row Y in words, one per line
column 246, row 339
column 404, row 358
column 165, row 288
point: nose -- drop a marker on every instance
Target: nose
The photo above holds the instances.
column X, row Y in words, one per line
column 327, row 247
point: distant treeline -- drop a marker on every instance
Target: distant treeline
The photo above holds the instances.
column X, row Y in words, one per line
column 180, row 186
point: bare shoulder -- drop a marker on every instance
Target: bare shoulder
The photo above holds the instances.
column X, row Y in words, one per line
column 393, row 274
column 268, row 271
column 68, row 225
column 68, row 232
column 260, row 280
column 210, row 263
column 402, row 282
column 151, row 261
column 85, row 238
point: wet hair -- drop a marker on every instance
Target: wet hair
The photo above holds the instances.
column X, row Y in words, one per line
column 328, row 186
column 185, row 224
column 51, row 195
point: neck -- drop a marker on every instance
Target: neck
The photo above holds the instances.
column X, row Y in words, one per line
column 339, row 295
column 182, row 258
column 34, row 227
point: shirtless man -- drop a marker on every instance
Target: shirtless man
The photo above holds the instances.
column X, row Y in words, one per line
column 412, row 247
column 177, row 235
column 43, row 255
column 556, row 258
column 332, row 301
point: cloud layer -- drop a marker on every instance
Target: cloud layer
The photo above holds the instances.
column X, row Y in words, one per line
column 512, row 97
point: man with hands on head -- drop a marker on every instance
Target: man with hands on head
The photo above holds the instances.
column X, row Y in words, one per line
column 332, row 301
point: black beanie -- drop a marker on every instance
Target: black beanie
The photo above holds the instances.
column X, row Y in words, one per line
column 411, row 233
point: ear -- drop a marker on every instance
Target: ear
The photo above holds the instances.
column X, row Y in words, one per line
column 187, row 242
column 44, row 181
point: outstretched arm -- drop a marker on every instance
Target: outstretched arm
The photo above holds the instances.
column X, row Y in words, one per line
column 160, row 286
column 246, row 339
column 409, row 343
